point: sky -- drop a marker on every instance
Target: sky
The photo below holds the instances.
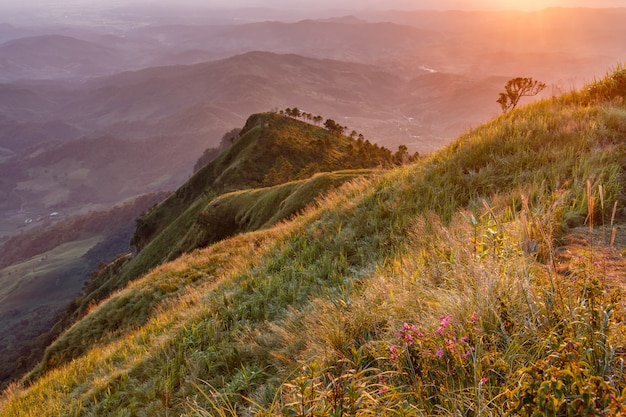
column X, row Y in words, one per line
column 339, row 4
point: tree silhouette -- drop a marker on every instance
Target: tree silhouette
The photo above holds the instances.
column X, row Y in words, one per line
column 401, row 156
column 517, row 88
column 334, row 127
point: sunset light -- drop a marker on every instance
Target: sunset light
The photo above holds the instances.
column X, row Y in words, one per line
column 323, row 208
column 522, row 4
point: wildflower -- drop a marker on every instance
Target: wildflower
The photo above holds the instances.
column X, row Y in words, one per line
column 450, row 344
column 468, row 353
column 394, row 353
column 465, row 339
column 439, row 353
column 444, row 324
column 407, row 334
column 383, row 387
column 474, row 318
column 483, row 380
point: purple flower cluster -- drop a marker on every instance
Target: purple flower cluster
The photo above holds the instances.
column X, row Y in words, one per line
column 448, row 350
column 444, row 326
column 408, row 333
column 445, row 338
column 393, row 355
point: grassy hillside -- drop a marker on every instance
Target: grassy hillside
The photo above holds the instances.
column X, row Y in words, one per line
column 482, row 280
column 271, row 149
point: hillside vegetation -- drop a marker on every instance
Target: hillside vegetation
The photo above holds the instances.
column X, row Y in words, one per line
column 271, row 150
column 484, row 279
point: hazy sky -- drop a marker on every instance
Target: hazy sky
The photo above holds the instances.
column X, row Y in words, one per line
column 338, row 4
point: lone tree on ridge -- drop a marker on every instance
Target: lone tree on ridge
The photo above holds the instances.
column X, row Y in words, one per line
column 517, row 88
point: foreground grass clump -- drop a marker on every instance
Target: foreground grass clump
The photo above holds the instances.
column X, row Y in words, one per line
column 492, row 332
column 433, row 289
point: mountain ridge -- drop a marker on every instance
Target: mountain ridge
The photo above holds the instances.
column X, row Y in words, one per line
column 454, row 252
column 201, row 211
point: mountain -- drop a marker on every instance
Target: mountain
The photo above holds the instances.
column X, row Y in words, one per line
column 472, row 280
column 54, row 56
column 273, row 149
column 586, row 40
column 60, row 138
column 364, row 71
column 362, row 42
column 139, row 95
column 17, row 137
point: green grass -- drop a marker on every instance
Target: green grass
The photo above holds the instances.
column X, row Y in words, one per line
column 32, row 294
column 272, row 151
column 308, row 317
column 244, row 211
column 22, row 279
column 266, row 141
column 202, row 211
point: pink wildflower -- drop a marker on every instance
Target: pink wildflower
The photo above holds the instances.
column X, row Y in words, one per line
column 474, row 318
column 439, row 353
column 450, row 344
column 383, row 387
column 407, row 334
column 468, row 353
column 444, row 324
column 394, row 353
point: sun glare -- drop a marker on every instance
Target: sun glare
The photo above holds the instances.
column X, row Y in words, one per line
column 521, row 4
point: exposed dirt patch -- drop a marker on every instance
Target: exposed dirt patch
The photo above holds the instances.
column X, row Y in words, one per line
column 599, row 253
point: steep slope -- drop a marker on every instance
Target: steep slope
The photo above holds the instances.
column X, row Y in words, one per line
column 430, row 289
column 272, row 149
